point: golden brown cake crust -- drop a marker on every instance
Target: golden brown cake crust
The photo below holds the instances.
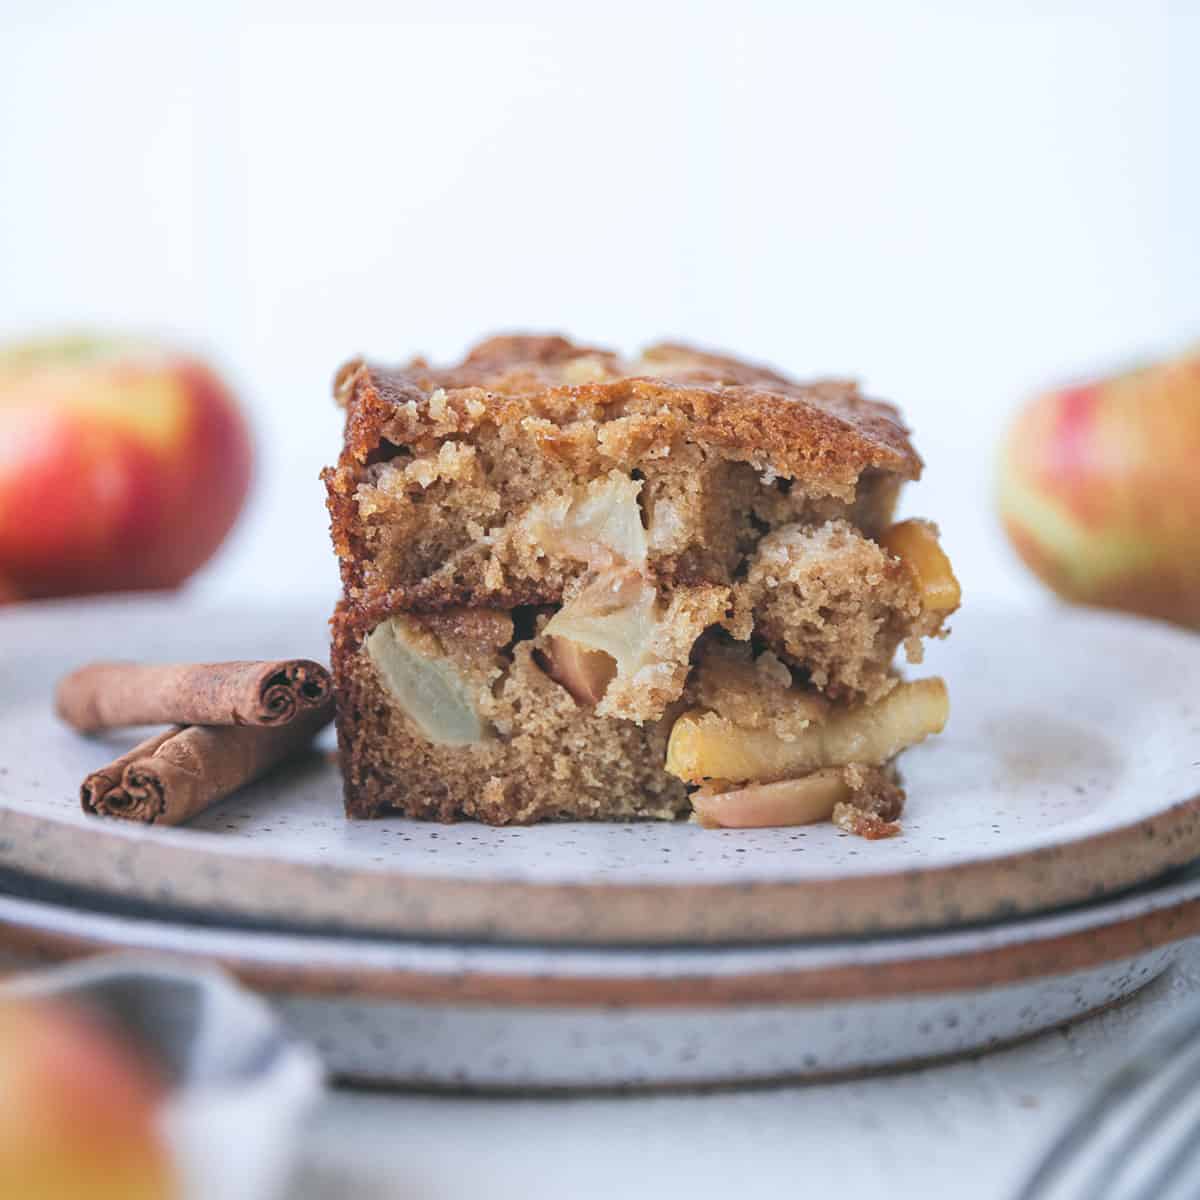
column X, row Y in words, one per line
column 822, row 431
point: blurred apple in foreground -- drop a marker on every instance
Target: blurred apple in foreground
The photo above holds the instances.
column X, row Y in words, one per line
column 77, row 1111
column 122, row 465
column 1100, row 490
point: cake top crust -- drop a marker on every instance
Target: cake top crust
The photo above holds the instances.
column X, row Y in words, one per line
column 581, row 401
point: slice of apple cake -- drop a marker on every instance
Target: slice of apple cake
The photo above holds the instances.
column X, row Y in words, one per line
column 576, row 586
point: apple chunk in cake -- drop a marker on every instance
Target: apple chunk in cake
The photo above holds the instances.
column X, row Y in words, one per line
column 576, row 586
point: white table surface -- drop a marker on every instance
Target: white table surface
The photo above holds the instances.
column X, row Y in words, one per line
column 967, row 1128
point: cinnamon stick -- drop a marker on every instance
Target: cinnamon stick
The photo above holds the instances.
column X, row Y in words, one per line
column 108, row 695
column 178, row 773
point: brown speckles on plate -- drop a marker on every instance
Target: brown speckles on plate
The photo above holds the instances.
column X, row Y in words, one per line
column 454, row 1015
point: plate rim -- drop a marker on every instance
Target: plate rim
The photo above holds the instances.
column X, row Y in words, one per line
column 336, row 967
column 608, row 912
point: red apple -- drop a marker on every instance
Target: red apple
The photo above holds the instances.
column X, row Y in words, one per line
column 122, row 465
column 77, row 1111
column 1100, row 490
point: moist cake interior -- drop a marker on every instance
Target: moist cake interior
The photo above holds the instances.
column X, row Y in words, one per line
column 571, row 583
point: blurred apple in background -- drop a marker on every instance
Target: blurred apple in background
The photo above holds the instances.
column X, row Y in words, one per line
column 78, row 1111
column 1100, row 490
column 123, row 465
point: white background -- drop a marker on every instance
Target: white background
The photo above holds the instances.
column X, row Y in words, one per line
column 957, row 202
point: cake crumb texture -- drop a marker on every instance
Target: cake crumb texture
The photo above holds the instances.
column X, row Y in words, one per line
column 568, row 549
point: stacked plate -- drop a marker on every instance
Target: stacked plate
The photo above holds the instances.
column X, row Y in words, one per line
column 1042, row 872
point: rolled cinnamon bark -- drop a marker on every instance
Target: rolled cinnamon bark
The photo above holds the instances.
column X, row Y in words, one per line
column 108, row 695
column 180, row 772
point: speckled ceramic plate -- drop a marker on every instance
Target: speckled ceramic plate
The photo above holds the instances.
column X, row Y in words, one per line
column 1070, row 770
column 479, row 1016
